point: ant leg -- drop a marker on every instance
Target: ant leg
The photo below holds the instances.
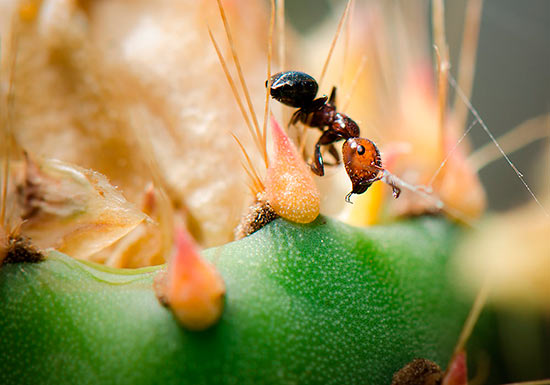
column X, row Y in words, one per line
column 328, row 137
column 296, row 117
column 332, row 98
column 317, row 165
column 317, row 104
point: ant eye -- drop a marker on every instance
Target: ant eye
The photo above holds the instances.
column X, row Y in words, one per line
column 360, row 150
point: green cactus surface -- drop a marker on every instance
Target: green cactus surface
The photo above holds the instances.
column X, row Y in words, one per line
column 323, row 303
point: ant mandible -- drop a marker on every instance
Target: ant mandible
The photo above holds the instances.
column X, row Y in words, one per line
column 360, row 155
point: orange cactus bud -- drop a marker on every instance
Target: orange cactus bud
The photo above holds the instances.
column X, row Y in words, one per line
column 290, row 188
column 193, row 289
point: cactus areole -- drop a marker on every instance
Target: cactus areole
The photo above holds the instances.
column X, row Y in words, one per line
column 318, row 303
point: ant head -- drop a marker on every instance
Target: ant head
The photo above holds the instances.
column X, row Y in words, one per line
column 293, row 88
column 363, row 163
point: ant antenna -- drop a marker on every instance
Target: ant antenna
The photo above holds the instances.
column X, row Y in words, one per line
column 241, row 77
column 334, row 40
column 462, row 96
column 281, row 33
column 397, row 184
column 268, row 86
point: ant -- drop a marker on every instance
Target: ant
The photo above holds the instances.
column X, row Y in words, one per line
column 361, row 157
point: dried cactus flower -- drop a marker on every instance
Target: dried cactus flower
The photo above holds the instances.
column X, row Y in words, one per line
column 92, row 76
column 69, row 208
column 149, row 243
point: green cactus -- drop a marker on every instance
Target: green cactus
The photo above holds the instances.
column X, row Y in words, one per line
column 318, row 303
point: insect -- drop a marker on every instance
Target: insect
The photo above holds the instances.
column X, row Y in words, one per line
column 361, row 157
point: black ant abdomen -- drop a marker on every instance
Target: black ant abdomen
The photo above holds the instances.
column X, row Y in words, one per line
column 293, row 88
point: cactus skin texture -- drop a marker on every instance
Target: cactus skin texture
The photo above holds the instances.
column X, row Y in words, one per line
column 321, row 303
